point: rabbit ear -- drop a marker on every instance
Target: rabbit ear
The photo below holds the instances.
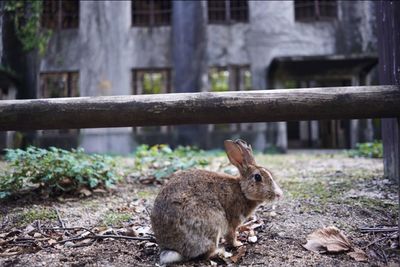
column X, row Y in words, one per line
column 234, row 153
column 247, row 152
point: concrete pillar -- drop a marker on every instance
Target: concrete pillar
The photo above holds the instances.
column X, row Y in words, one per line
column 104, row 27
column 189, row 60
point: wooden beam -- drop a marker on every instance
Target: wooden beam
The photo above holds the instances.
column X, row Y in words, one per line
column 198, row 108
column 388, row 18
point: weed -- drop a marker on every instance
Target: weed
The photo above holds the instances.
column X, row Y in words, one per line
column 368, row 150
column 160, row 161
column 55, row 171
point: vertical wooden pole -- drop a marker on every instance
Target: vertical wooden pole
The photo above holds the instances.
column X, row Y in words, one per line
column 388, row 17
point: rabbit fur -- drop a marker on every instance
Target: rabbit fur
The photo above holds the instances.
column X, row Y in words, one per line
column 197, row 207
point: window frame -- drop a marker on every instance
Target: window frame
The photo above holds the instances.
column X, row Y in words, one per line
column 235, row 83
column 70, row 91
column 333, row 5
column 228, row 13
column 151, row 14
column 137, row 91
column 59, row 15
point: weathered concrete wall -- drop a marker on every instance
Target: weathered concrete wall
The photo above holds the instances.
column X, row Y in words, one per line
column 106, row 48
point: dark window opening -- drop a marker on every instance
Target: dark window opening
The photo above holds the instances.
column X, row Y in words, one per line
column 226, row 11
column 151, row 12
column 311, row 10
column 60, row 14
column 151, row 81
column 54, row 85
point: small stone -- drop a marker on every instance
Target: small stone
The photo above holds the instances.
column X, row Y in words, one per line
column 37, row 235
column 252, row 239
column 69, row 244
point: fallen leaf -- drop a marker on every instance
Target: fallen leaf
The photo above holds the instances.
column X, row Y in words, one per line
column 239, row 255
column 51, row 241
column 29, row 229
column 149, row 244
column 328, row 239
column 358, row 255
column 142, row 230
column 85, row 192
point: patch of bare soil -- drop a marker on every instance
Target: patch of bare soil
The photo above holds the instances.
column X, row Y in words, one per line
column 320, row 191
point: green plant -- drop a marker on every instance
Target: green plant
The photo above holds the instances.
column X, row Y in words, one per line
column 368, row 150
column 160, row 161
column 56, row 171
column 26, row 16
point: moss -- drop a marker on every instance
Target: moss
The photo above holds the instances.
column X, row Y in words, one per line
column 145, row 194
column 31, row 215
column 112, row 218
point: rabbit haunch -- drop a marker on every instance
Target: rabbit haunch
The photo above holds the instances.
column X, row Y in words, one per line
column 197, row 207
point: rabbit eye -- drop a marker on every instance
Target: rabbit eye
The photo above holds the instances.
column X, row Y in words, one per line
column 257, row 177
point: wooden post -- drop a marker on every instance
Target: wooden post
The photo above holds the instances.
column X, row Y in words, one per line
column 389, row 73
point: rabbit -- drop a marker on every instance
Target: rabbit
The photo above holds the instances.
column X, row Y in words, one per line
column 197, row 207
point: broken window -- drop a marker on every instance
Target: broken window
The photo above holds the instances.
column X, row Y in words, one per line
column 151, row 12
column 151, row 81
column 54, row 85
column 60, row 14
column 225, row 11
column 311, row 10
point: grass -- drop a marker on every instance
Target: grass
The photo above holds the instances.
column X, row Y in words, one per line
column 112, row 218
column 31, row 215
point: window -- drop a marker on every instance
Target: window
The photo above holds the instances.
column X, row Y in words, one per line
column 59, row 84
column 225, row 11
column 231, row 78
column 60, row 14
column 151, row 12
column 151, row 81
column 311, row 10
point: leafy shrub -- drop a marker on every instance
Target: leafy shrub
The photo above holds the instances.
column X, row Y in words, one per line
column 160, row 161
column 55, row 171
column 368, row 150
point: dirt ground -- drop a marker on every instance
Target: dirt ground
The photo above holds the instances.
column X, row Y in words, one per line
column 320, row 190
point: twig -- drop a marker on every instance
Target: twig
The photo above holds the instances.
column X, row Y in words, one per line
column 62, row 224
column 379, row 240
column 378, row 230
column 95, row 236
column 69, row 228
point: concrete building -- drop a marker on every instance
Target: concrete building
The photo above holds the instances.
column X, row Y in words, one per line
column 136, row 47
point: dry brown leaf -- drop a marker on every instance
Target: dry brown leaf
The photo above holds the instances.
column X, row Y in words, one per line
column 328, row 239
column 244, row 228
column 239, row 255
column 52, row 241
column 358, row 255
column 85, row 192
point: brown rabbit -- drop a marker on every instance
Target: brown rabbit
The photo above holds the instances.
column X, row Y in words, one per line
column 197, row 207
